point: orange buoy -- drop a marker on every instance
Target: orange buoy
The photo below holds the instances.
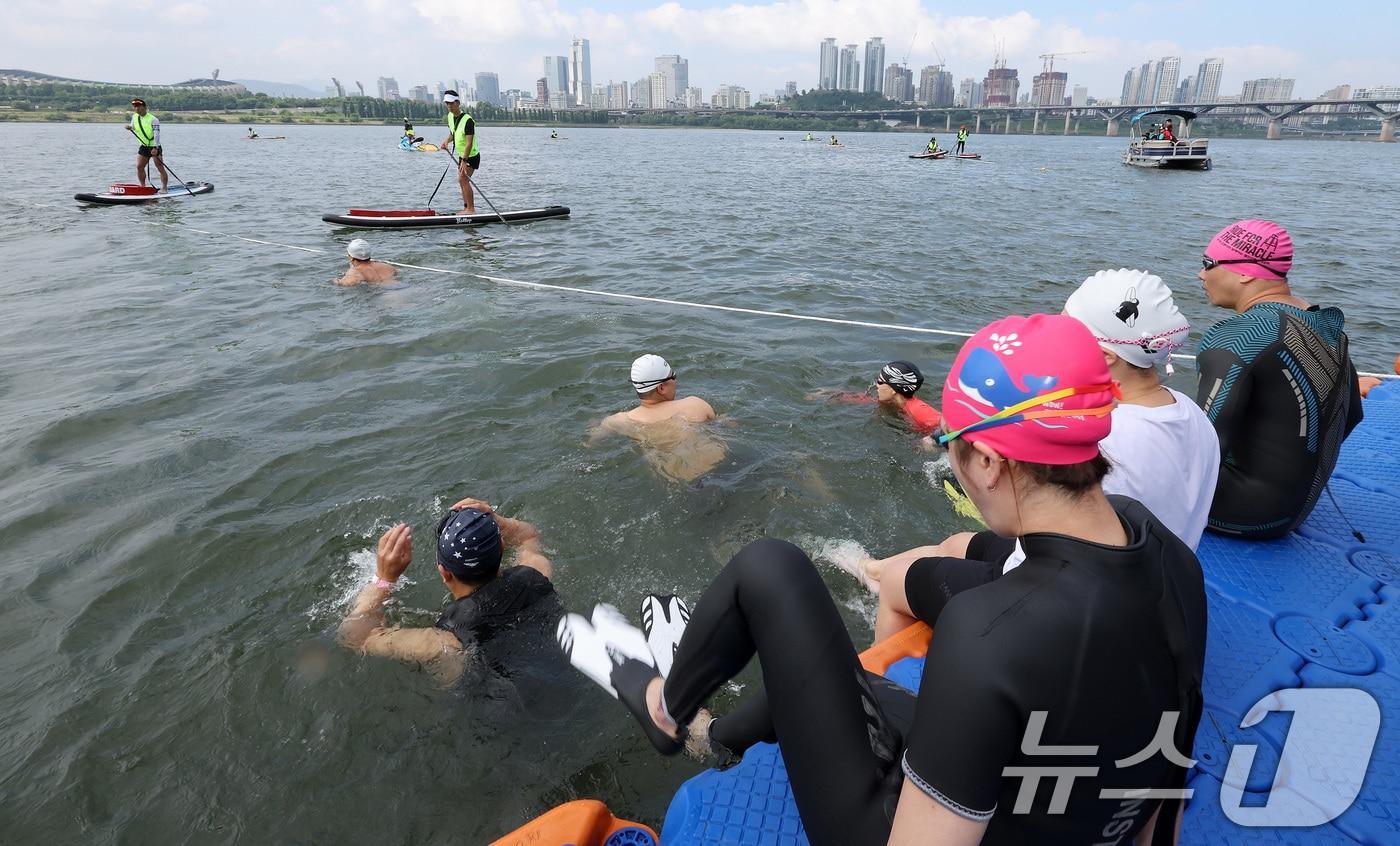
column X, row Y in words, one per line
column 1367, row 383
column 1397, row 365
column 583, row 822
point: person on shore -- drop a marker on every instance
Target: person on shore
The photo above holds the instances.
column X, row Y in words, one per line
column 932, row 145
column 1276, row 381
column 895, row 386
column 146, row 127
column 363, row 270
column 1032, row 660
column 962, row 139
column 670, row 429
column 461, row 135
column 498, row 619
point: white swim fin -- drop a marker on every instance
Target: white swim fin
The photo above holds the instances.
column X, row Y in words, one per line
column 586, row 650
column 664, row 619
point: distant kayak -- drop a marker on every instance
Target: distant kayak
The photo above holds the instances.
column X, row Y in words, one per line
column 418, row 218
column 123, row 194
column 418, row 148
column 266, row 138
column 938, row 155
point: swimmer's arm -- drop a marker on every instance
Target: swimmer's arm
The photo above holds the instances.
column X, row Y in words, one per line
column 524, row 538
column 704, row 411
column 351, row 277
column 609, row 425
column 919, row 820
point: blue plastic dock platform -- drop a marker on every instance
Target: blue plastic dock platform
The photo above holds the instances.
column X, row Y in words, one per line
column 1317, row 609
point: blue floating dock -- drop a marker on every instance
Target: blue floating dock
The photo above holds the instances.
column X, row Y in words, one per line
column 1317, row 609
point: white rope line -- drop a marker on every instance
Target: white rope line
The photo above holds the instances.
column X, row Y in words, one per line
column 593, row 292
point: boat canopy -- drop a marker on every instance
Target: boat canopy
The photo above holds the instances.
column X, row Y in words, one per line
column 1181, row 113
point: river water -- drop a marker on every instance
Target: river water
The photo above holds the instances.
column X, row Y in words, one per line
column 201, row 437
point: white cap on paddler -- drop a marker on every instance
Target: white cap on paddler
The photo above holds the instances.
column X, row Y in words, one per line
column 358, row 249
column 649, row 371
column 1132, row 314
column 450, row 96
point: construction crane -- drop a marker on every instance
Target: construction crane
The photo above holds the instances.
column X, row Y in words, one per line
column 1051, row 57
column 941, row 63
column 910, row 51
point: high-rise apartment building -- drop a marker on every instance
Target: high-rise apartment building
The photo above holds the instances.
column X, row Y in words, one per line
column 388, row 88
column 656, row 82
column 848, row 69
column 420, row 93
column 694, row 98
column 1048, row 89
column 641, row 94
column 1208, row 81
column 488, row 88
column 731, row 97
column 556, row 74
column 827, row 78
column 1131, row 79
column 874, row 65
column 1186, row 91
column 580, row 72
column 677, row 73
column 935, row 87
column 1168, row 73
column 1080, row 98
column 542, row 92
column 1266, row 90
column 899, row 83
column 1000, row 87
column 617, row 95
column 790, row 89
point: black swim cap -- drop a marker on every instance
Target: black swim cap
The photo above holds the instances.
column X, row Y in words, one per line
column 904, row 377
column 469, row 544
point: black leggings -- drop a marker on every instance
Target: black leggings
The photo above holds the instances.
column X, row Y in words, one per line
column 841, row 749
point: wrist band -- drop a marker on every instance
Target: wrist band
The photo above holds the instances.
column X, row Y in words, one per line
column 385, row 583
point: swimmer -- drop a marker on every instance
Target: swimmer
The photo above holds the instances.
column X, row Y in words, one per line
column 895, row 386
column 668, row 428
column 362, row 270
column 1276, row 382
column 1104, row 587
column 494, row 613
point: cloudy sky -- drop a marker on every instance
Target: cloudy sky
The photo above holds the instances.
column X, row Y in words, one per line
column 756, row 44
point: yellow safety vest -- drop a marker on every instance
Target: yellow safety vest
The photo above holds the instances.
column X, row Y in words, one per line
column 458, row 128
column 145, row 133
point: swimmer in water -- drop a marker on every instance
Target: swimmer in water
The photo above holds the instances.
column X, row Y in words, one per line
column 364, row 271
column 895, row 386
column 494, row 615
column 669, row 429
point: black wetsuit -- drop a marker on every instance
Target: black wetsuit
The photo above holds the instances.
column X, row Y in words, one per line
column 510, row 622
column 1277, row 384
column 1105, row 639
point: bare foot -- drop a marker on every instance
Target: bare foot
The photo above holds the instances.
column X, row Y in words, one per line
column 658, row 711
column 873, row 570
column 697, row 737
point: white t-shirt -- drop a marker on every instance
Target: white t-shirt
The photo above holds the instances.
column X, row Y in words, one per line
column 1168, row 459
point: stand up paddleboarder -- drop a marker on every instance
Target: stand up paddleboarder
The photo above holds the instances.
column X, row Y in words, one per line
column 146, row 128
column 462, row 135
column 962, row 139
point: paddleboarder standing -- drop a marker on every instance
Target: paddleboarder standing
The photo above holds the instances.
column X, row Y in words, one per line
column 462, row 135
column 962, row 139
column 146, row 127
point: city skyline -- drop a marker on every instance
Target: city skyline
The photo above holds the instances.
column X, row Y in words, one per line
column 760, row 46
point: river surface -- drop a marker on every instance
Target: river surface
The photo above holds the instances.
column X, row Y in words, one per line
column 201, row 437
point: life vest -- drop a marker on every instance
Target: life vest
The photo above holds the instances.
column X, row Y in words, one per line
column 458, row 127
column 144, row 130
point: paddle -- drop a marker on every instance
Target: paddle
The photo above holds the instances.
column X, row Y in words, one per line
column 477, row 187
column 439, row 185
column 161, row 158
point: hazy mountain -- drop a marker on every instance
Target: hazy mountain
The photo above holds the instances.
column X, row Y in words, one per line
column 280, row 89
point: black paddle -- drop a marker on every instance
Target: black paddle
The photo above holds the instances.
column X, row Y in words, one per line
column 477, row 187
column 439, row 185
column 161, row 159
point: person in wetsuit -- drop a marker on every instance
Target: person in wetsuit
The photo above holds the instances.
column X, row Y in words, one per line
column 498, row 620
column 1094, row 642
column 1276, row 382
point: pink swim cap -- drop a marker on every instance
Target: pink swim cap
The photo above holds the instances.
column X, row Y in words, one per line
column 1254, row 239
column 1049, row 373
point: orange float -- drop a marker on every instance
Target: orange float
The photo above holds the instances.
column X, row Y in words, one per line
column 1367, row 383
column 583, row 822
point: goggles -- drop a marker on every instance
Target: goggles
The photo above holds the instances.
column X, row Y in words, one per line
column 1208, row 263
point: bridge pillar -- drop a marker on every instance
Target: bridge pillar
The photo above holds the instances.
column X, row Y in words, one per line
column 1035, row 122
column 1112, row 127
column 1388, row 129
column 948, row 122
column 919, row 119
column 979, row 123
column 1066, row 123
column 1008, row 123
column 1275, row 129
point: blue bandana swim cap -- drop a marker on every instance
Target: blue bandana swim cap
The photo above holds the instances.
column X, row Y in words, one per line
column 469, row 544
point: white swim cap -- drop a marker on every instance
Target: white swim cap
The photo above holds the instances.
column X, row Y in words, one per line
column 450, row 96
column 358, row 249
column 1131, row 312
column 649, row 371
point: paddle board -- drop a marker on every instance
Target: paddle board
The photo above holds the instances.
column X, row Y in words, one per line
column 266, row 138
column 122, row 194
column 938, row 155
column 968, row 156
column 417, row 218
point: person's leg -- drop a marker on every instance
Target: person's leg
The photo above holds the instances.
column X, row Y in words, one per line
column 894, row 615
column 141, row 163
column 464, row 179
column 841, row 754
column 164, row 176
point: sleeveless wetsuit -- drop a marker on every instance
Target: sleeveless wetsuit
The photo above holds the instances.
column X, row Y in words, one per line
column 1104, row 638
column 1282, row 394
column 510, row 621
